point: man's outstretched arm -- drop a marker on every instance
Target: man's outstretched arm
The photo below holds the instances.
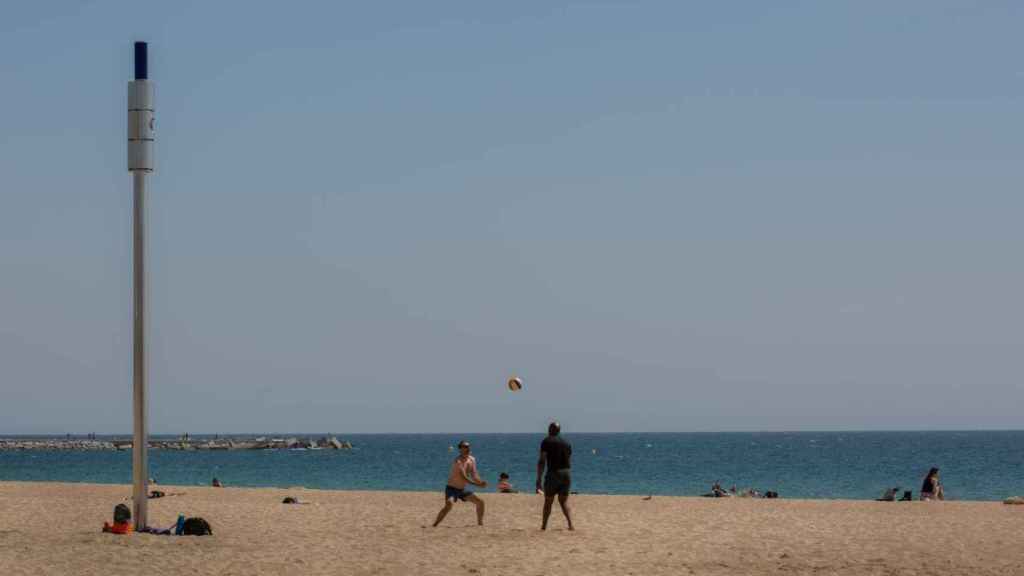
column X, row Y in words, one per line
column 473, row 477
column 479, row 481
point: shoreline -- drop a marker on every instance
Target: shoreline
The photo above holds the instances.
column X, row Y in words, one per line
column 489, row 491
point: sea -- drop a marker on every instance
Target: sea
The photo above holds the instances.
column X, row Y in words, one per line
column 985, row 465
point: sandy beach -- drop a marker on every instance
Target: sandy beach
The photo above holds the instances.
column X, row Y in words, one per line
column 49, row 528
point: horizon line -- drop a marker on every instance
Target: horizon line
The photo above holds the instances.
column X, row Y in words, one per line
column 421, row 433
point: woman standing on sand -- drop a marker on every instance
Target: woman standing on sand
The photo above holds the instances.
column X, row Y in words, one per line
column 931, row 489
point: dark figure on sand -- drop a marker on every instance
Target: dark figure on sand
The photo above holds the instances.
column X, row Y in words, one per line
column 931, row 489
column 463, row 472
column 718, row 492
column 555, row 454
column 889, row 495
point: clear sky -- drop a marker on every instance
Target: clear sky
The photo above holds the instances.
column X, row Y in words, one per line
column 662, row 216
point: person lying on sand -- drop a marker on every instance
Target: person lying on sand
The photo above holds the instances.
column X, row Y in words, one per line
column 889, row 495
column 718, row 492
column 157, row 494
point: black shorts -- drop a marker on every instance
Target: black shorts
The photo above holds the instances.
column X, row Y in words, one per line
column 452, row 493
column 558, row 482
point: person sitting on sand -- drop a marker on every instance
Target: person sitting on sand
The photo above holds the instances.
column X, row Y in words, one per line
column 463, row 472
column 931, row 488
column 122, row 521
column 504, row 486
column 216, row 483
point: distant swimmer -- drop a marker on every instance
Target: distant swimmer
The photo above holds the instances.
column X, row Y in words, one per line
column 555, row 454
column 463, row 472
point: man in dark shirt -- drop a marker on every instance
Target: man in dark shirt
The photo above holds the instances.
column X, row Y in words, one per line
column 555, row 453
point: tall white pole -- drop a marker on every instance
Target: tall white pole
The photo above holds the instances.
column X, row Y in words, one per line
column 140, row 163
column 140, row 439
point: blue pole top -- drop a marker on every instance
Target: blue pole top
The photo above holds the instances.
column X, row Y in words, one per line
column 141, row 61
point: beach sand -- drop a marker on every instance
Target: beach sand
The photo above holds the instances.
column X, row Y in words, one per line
column 49, row 528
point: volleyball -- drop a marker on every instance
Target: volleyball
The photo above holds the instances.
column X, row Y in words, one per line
column 515, row 384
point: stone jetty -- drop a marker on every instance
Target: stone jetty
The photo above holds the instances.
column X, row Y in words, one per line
column 184, row 443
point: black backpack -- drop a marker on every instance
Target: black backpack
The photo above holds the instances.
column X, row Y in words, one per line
column 196, row 527
column 122, row 514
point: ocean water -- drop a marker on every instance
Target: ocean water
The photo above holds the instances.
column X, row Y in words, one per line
column 858, row 465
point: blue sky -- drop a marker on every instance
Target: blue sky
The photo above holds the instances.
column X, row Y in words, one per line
column 661, row 215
